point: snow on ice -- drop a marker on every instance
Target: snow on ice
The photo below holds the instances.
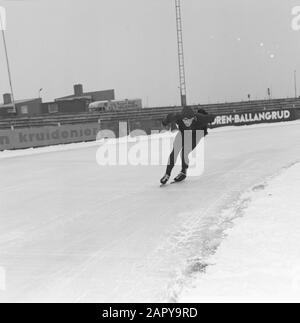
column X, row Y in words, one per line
column 259, row 260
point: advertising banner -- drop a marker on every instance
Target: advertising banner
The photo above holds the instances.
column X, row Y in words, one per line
column 46, row 136
column 247, row 118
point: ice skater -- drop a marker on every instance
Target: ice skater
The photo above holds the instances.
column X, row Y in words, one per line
column 188, row 123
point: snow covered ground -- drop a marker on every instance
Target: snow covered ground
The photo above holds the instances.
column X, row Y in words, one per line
column 259, row 260
column 71, row 230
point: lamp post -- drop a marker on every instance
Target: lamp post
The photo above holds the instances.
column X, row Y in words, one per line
column 182, row 84
column 2, row 27
column 269, row 93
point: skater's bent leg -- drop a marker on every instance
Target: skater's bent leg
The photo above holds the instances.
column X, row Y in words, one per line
column 174, row 154
column 189, row 145
column 185, row 160
column 171, row 163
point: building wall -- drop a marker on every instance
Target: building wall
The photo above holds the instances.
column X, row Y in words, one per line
column 65, row 107
column 75, row 106
column 4, row 112
column 33, row 108
column 23, row 109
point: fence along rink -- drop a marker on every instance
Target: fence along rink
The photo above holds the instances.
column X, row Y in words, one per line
column 54, row 135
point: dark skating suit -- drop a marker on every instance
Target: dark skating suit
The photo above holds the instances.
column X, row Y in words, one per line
column 187, row 138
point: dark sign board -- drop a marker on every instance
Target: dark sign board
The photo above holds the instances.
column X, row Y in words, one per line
column 247, row 118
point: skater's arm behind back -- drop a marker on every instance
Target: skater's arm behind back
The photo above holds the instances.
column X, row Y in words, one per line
column 205, row 118
column 170, row 118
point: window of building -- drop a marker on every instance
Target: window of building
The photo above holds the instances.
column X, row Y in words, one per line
column 53, row 108
column 24, row 109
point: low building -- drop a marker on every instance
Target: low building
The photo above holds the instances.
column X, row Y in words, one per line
column 106, row 95
column 78, row 102
column 67, row 106
column 21, row 108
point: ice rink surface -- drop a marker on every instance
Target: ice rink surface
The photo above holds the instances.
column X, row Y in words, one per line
column 73, row 231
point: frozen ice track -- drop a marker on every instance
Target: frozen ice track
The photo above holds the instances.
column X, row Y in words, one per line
column 71, row 231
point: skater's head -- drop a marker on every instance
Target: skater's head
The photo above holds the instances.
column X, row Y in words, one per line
column 188, row 116
column 188, row 121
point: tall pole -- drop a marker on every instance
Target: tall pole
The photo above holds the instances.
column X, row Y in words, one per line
column 8, row 66
column 295, row 83
column 182, row 83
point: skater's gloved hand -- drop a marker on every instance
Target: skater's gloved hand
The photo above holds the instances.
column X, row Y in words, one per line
column 170, row 120
column 165, row 126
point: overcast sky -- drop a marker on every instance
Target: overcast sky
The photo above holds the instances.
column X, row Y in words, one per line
column 232, row 48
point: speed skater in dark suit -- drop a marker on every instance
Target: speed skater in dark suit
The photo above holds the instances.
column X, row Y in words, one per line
column 192, row 128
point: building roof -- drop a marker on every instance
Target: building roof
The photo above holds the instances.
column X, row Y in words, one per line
column 105, row 95
column 10, row 105
column 71, row 98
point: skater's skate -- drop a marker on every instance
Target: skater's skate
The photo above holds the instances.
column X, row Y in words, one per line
column 181, row 177
column 165, row 179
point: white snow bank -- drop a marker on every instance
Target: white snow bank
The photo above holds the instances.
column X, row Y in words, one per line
column 259, row 261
